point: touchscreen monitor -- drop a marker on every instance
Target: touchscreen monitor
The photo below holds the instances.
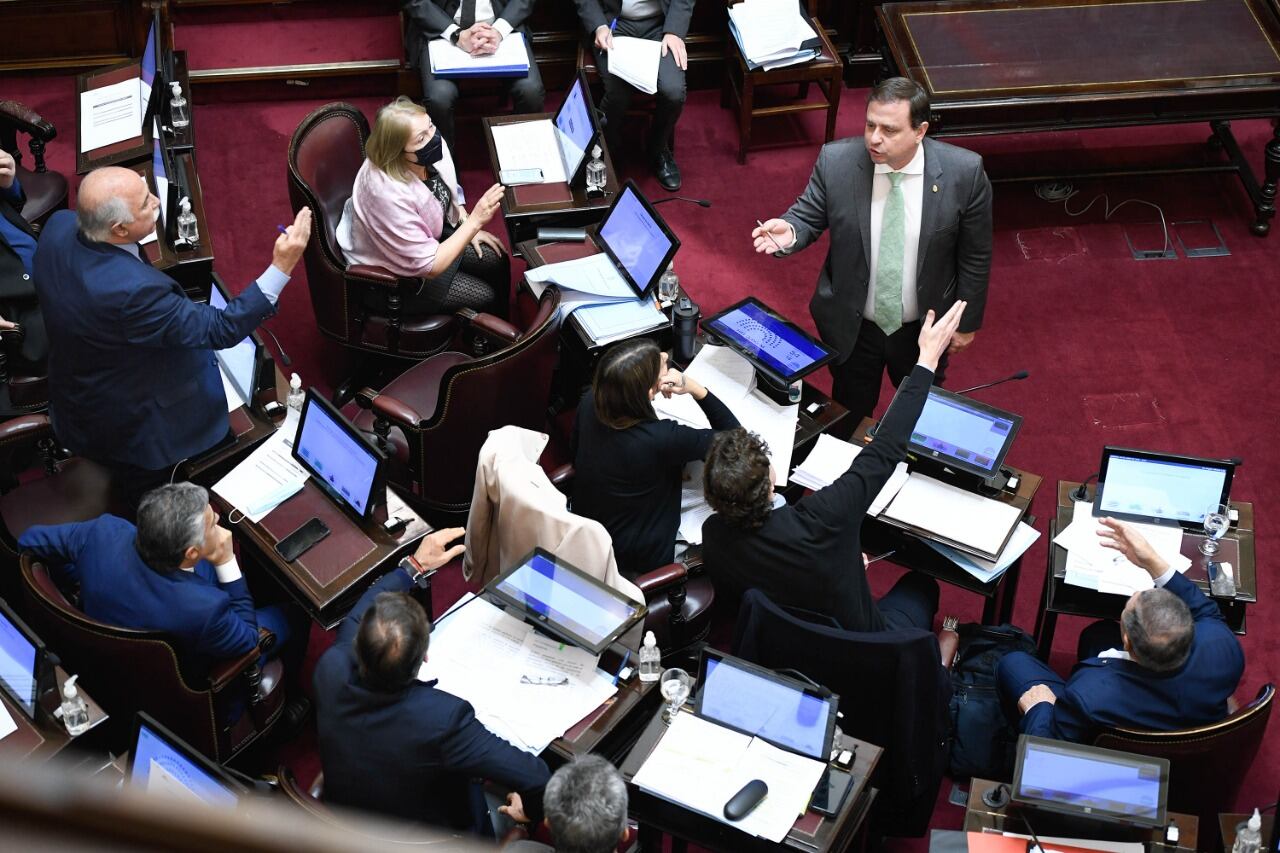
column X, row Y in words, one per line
column 240, row 361
column 575, row 127
column 1142, row 485
column 21, row 661
column 756, row 701
column 162, row 764
column 566, row 601
column 964, row 433
column 770, row 342
column 1090, row 782
column 346, row 465
column 636, row 239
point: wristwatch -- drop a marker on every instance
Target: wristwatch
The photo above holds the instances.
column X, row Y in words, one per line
column 455, row 35
column 421, row 577
column 950, row 623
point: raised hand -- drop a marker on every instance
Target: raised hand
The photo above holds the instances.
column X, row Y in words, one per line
column 936, row 336
column 1133, row 545
column 772, row 237
column 290, row 245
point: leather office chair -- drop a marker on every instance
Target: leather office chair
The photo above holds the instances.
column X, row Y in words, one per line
column 357, row 305
column 128, row 671
column 1207, row 764
column 310, row 800
column 443, row 408
column 893, row 693
column 20, row 392
column 46, row 191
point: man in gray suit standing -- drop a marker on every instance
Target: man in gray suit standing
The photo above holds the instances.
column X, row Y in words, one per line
column 910, row 222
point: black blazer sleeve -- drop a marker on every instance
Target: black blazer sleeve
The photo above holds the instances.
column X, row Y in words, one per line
column 514, row 12
column 808, row 216
column 973, row 252
column 591, row 14
column 679, row 14
column 473, row 750
column 429, row 17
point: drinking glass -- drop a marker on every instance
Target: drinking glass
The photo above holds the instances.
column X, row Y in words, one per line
column 675, row 684
column 1216, row 525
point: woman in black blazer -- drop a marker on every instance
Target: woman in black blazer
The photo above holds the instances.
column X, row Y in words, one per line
column 629, row 464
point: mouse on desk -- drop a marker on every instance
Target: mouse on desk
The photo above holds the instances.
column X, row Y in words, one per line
column 742, row 803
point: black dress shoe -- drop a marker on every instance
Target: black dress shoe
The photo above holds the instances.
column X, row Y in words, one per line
column 666, row 170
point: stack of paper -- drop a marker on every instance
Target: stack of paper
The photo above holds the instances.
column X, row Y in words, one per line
column 483, row 655
column 266, row 478
column 772, row 33
column 614, row 321
column 952, row 513
column 530, row 145
column 110, row 114
column 831, row 458
column 509, row 60
column 635, row 60
column 1091, row 565
column 1024, row 536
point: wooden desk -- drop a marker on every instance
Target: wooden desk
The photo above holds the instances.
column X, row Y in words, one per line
column 183, row 140
column 993, row 66
column 980, row 817
column 190, row 267
column 46, row 737
column 525, row 215
column 124, row 152
column 1000, row 594
column 812, row 831
column 1228, row 823
column 613, row 728
column 1060, row 598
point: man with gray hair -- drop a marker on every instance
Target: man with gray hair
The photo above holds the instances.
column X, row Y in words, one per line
column 1171, row 663
column 132, row 379
column 585, row 804
column 174, row 572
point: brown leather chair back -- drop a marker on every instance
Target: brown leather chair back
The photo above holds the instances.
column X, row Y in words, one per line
column 1207, row 763
column 125, row 670
column 46, row 191
column 509, row 387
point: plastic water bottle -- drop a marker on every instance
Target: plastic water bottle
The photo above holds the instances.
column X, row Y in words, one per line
column 179, row 115
column 294, row 402
column 1249, row 835
column 669, row 285
column 596, row 175
column 650, row 658
column 187, row 231
column 74, row 711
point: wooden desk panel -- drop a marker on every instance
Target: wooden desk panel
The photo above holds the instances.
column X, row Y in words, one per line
column 44, row 738
column 69, row 34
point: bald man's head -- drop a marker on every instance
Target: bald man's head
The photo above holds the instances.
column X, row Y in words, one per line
column 114, row 205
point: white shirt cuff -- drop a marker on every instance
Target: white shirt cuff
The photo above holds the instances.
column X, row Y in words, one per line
column 448, row 31
column 925, row 366
column 1165, row 578
column 502, row 26
column 228, row 572
column 271, row 283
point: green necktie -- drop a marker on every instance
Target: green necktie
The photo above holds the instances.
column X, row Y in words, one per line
column 893, row 236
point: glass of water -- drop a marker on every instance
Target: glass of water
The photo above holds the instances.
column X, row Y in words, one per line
column 1216, row 524
column 675, row 684
column 669, row 285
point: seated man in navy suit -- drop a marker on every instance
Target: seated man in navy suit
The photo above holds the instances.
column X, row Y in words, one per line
column 392, row 744
column 18, row 305
column 133, row 383
column 175, row 572
column 1171, row 663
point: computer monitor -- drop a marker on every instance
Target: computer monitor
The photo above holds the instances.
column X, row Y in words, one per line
column 775, row 346
column 636, row 239
column 575, row 126
column 240, row 362
column 341, row 461
column 962, row 433
column 1160, row 488
column 759, row 702
column 160, row 763
column 1273, row 845
column 25, row 673
column 1090, row 782
column 566, row 601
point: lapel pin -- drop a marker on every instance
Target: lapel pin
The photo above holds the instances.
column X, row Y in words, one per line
column 935, row 187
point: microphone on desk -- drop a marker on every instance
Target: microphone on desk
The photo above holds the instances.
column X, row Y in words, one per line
column 1021, row 374
column 700, row 202
column 284, row 356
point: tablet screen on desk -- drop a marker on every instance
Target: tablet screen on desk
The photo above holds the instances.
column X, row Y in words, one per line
column 759, row 702
column 1141, row 485
column 162, row 764
column 574, row 127
column 635, row 237
column 567, row 602
column 964, row 433
column 239, row 361
column 338, row 458
column 19, row 656
column 1101, row 784
column 768, row 340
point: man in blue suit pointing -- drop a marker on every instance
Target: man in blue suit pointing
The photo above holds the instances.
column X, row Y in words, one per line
column 1174, row 663
column 133, row 382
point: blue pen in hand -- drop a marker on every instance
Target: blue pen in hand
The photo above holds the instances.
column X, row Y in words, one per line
column 613, row 25
column 282, row 229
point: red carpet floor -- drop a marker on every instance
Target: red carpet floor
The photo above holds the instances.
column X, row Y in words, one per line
column 1168, row 355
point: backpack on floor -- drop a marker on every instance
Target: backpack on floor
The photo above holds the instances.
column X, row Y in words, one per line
column 982, row 739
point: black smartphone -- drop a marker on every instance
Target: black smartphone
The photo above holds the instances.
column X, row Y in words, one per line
column 829, row 795
column 296, row 543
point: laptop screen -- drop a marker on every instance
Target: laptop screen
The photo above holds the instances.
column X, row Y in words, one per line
column 963, row 432
column 160, row 764
column 760, row 703
column 18, row 659
column 574, row 127
column 768, row 340
column 240, row 361
column 1101, row 784
column 566, row 601
column 636, row 240
column 340, row 461
column 1151, row 486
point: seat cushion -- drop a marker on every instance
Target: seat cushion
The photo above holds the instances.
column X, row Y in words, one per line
column 81, row 491
column 418, row 333
column 46, row 192
column 699, row 596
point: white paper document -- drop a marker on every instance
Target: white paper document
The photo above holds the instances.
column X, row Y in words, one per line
column 1094, row 566
column 770, row 29
column 530, row 145
column 635, row 60
column 265, row 479
column 1024, row 536
column 613, row 321
column 510, row 56
column 953, row 513
column 110, row 114
column 480, row 653
column 700, row 765
column 7, row 724
column 725, row 370
column 594, row 275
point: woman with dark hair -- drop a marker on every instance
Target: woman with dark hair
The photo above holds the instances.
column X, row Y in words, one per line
column 629, row 464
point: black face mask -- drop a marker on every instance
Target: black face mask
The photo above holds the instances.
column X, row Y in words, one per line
column 431, row 153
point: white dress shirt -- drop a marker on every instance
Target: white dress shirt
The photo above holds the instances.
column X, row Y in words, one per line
column 638, row 10
column 913, row 200
column 484, row 12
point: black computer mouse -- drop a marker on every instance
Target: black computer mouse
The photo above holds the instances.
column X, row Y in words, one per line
column 741, row 803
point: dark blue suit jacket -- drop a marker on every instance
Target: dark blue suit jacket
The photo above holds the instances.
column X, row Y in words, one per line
column 132, row 375
column 408, row 754
column 1104, row 693
column 209, row 621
